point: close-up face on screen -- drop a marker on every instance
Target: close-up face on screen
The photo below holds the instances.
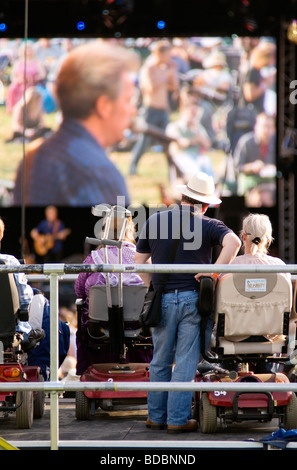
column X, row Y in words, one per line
column 200, row 104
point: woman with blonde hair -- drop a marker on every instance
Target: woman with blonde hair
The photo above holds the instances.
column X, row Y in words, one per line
column 86, row 280
column 257, row 237
column 85, row 355
column 259, row 225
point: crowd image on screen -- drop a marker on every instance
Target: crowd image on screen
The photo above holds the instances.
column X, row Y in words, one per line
column 203, row 102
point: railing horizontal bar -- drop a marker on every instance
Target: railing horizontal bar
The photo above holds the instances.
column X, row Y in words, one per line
column 148, row 268
column 126, row 444
column 148, row 386
column 46, row 277
column 60, row 270
column 73, row 277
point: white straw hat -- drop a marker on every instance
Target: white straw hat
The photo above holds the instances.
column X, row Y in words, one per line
column 201, row 188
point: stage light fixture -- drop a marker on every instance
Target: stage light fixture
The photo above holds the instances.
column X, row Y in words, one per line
column 161, row 24
column 115, row 12
column 80, row 25
column 292, row 32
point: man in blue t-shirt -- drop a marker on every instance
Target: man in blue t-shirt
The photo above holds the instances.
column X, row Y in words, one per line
column 177, row 338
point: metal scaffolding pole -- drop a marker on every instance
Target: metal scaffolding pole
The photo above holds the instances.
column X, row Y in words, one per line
column 287, row 151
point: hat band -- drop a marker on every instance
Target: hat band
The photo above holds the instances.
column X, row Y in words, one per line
column 200, row 194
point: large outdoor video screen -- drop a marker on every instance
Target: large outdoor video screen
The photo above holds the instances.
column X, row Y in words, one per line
column 219, row 117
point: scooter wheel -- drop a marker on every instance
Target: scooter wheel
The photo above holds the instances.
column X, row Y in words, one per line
column 207, row 415
column 290, row 419
column 24, row 411
column 82, row 406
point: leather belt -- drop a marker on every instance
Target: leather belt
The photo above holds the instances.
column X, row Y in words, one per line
column 183, row 289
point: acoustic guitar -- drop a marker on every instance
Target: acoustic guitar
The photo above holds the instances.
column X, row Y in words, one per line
column 45, row 242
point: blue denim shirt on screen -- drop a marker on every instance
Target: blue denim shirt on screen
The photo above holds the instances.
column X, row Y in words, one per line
column 70, row 168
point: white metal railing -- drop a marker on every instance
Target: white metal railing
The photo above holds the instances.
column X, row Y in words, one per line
column 56, row 272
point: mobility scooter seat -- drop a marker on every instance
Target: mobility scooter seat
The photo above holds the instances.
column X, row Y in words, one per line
column 252, row 312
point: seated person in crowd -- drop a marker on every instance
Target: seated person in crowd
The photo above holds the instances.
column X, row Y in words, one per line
column 28, row 117
column 257, row 237
column 86, row 356
column 31, row 329
column 35, row 331
column 190, row 139
column 41, row 354
column 255, row 162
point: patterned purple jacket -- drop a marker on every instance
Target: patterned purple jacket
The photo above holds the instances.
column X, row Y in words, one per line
column 86, row 280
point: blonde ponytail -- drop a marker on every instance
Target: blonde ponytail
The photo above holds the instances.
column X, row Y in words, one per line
column 258, row 231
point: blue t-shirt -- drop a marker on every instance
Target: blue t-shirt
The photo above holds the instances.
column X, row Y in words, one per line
column 199, row 235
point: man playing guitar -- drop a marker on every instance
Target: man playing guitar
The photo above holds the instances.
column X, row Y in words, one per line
column 48, row 237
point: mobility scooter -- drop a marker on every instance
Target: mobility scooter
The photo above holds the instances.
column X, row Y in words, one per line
column 254, row 328
column 14, row 367
column 113, row 326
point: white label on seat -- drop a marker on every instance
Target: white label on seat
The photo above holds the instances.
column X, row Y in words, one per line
column 255, row 285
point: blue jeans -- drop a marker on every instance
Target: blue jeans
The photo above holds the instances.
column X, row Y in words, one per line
column 176, row 342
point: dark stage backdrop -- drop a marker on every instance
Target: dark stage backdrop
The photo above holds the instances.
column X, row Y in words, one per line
column 81, row 222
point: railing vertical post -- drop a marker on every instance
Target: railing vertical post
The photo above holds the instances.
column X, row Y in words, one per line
column 54, row 363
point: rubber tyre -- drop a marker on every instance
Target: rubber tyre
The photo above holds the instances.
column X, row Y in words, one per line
column 290, row 419
column 207, row 415
column 39, row 399
column 82, row 406
column 195, row 406
column 24, row 412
